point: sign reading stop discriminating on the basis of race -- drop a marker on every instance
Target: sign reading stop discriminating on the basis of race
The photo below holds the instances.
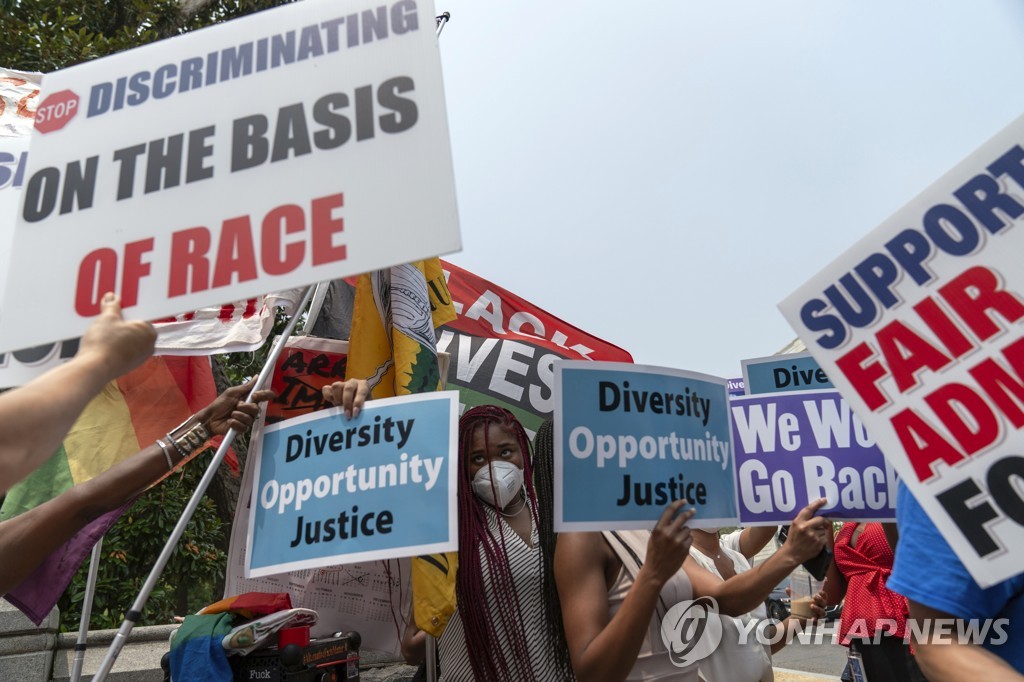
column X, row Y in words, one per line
column 296, row 145
column 921, row 327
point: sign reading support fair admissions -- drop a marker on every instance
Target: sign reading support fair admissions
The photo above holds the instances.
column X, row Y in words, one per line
column 921, row 327
column 792, row 448
column 296, row 145
column 631, row 439
column 333, row 491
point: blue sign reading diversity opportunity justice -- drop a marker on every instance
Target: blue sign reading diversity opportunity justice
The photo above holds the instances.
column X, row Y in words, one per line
column 331, row 490
column 630, row 439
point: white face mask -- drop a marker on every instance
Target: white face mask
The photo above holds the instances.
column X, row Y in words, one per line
column 498, row 484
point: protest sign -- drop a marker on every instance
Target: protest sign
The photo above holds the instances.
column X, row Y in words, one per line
column 295, row 145
column 13, row 153
column 241, row 326
column 781, row 373
column 921, row 327
column 368, row 597
column 503, row 348
column 331, row 491
column 792, row 448
column 307, row 364
column 19, row 91
column 631, row 439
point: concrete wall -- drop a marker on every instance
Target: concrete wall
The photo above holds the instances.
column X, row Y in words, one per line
column 39, row 654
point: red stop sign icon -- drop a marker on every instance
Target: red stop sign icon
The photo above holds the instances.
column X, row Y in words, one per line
column 56, row 110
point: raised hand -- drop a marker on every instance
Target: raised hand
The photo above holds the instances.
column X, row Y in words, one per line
column 808, row 533
column 230, row 411
column 669, row 543
column 116, row 345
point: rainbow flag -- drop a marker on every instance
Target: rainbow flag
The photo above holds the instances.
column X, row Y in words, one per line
column 128, row 415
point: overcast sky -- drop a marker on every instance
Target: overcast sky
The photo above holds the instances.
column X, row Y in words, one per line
column 662, row 174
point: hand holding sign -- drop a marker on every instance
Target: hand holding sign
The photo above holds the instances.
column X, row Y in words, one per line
column 669, row 543
column 808, row 533
column 348, row 395
column 118, row 346
column 229, row 411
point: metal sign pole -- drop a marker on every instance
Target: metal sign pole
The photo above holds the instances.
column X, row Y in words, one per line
column 431, row 659
column 441, row 20
column 83, row 626
column 135, row 613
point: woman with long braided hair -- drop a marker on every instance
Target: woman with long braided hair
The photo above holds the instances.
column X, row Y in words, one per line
column 499, row 631
column 544, row 483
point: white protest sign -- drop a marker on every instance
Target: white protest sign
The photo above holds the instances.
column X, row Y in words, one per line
column 921, row 327
column 300, row 144
column 13, row 152
column 19, row 91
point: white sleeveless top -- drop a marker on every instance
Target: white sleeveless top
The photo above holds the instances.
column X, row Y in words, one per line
column 527, row 574
column 653, row 663
column 732, row 661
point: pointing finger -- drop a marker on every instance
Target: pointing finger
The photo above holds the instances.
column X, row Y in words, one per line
column 811, row 510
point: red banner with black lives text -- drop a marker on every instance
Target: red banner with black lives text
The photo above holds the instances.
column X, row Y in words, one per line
column 502, row 347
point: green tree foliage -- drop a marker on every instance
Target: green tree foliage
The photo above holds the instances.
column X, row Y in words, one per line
column 46, row 35
column 132, row 546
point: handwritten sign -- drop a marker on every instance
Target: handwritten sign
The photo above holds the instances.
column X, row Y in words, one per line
column 630, row 439
column 305, row 366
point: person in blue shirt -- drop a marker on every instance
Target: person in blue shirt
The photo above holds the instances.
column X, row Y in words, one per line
column 938, row 586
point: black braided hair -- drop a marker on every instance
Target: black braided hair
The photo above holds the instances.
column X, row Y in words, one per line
column 544, row 483
column 476, row 541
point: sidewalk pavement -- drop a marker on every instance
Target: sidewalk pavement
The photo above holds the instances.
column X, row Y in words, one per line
column 786, row 675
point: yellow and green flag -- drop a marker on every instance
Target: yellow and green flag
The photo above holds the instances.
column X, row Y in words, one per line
column 393, row 345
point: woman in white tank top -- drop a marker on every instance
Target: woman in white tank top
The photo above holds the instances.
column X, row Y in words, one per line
column 615, row 589
column 614, row 597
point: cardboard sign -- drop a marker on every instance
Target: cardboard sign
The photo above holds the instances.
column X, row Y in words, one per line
column 332, row 491
column 306, row 365
column 792, row 448
column 291, row 146
column 784, row 373
column 631, row 439
column 921, row 327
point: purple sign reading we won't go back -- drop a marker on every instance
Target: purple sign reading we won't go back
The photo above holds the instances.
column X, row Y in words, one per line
column 792, row 448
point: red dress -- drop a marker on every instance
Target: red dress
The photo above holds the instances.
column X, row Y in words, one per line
column 869, row 604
